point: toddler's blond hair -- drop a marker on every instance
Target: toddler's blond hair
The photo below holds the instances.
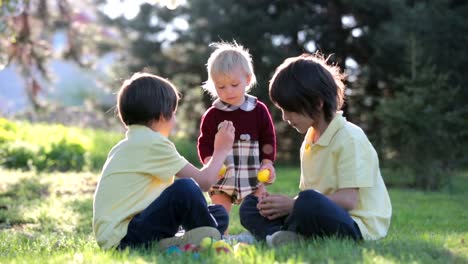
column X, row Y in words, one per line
column 224, row 59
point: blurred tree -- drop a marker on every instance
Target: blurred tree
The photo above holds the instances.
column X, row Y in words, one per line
column 424, row 116
column 27, row 31
column 271, row 30
column 420, row 125
column 373, row 41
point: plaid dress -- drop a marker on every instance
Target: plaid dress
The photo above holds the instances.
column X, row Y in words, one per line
column 240, row 178
column 243, row 162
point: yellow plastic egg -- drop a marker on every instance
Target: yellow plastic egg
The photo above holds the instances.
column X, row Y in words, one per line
column 206, row 242
column 222, row 244
column 263, row 175
column 222, row 171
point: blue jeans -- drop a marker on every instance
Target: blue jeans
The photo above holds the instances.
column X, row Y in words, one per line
column 180, row 205
column 313, row 215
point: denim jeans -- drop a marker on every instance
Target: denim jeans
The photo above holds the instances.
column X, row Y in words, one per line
column 313, row 215
column 180, row 205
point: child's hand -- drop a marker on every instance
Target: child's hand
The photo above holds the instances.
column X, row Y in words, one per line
column 261, row 191
column 224, row 138
column 262, row 195
column 269, row 166
column 273, row 206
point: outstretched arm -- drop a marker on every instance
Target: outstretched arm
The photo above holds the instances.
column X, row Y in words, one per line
column 208, row 175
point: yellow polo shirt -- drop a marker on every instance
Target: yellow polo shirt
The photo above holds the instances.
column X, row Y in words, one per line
column 343, row 157
column 137, row 170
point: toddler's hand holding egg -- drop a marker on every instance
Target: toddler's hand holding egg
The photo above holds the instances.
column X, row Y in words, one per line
column 263, row 175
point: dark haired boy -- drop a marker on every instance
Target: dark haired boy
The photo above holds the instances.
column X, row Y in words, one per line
column 342, row 193
column 137, row 202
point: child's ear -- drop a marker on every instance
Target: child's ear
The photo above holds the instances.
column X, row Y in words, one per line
column 248, row 78
column 163, row 118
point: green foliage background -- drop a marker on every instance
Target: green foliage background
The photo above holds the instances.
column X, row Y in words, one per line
column 407, row 92
column 53, row 147
column 45, row 147
column 405, row 60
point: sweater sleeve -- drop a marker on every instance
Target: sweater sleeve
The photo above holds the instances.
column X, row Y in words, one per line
column 267, row 136
column 208, row 129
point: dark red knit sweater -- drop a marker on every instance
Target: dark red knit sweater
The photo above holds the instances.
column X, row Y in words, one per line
column 257, row 123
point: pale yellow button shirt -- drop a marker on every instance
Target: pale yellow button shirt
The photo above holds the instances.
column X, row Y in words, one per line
column 138, row 169
column 343, row 157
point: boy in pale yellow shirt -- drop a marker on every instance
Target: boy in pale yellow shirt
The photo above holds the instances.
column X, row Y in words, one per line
column 342, row 191
column 137, row 202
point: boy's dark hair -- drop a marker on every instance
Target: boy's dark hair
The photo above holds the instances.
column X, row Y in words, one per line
column 145, row 98
column 300, row 83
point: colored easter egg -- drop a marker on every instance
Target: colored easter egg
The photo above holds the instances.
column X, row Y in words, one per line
column 222, row 171
column 222, row 250
column 190, row 248
column 263, row 175
column 222, row 244
column 206, row 242
column 173, row 250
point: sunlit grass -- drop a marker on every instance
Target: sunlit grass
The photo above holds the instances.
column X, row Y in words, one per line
column 38, row 138
column 46, row 218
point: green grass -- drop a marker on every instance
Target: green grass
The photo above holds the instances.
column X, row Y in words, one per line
column 46, row 218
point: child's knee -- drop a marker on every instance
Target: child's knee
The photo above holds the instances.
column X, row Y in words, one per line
column 187, row 186
column 220, row 214
column 217, row 209
column 310, row 194
column 308, row 200
column 250, row 203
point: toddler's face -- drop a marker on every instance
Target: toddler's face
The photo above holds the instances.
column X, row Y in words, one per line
column 231, row 87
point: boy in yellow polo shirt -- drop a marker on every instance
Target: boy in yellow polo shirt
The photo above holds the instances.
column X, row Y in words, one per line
column 137, row 202
column 342, row 191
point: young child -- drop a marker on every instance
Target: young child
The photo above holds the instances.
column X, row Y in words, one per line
column 342, row 191
column 137, row 202
column 230, row 77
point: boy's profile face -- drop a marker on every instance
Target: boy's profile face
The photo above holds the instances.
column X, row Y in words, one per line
column 231, row 87
column 301, row 122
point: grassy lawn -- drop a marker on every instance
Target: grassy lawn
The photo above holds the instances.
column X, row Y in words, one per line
column 46, row 218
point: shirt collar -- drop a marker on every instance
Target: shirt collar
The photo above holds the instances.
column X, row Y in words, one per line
column 140, row 130
column 248, row 105
column 336, row 124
